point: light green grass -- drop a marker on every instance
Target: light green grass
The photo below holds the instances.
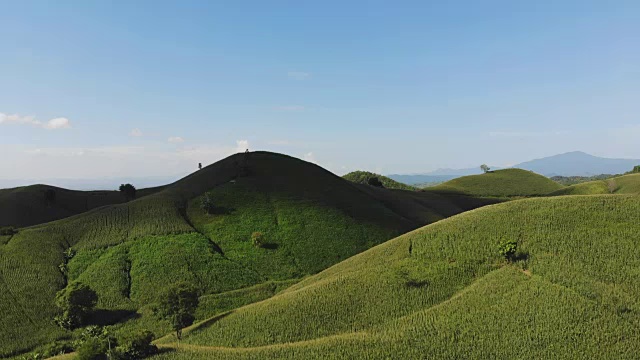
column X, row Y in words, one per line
column 444, row 292
column 500, row 183
column 626, row 184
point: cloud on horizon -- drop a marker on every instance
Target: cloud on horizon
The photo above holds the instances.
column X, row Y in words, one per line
column 53, row 124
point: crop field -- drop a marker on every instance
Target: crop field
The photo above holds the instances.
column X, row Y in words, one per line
column 444, row 291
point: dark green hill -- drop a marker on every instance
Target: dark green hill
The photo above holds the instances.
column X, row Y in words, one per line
column 28, row 205
column 445, row 292
column 500, row 183
column 310, row 219
column 363, row 177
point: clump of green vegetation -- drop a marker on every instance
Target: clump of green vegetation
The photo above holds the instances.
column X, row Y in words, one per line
column 377, row 180
column 258, row 239
column 7, row 231
column 507, row 249
column 178, row 306
column 136, row 345
column 207, row 204
column 75, row 303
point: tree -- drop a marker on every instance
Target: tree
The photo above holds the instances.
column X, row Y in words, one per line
column 49, row 196
column 485, row 168
column 75, row 303
column 178, row 306
column 207, row 204
column 507, row 249
column 374, row 181
column 636, row 169
column 128, row 190
column 199, row 166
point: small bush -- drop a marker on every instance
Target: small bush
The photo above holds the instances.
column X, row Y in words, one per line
column 507, row 249
column 374, row 181
column 8, row 230
column 57, row 348
column 207, row 204
column 257, row 239
column 136, row 346
column 93, row 349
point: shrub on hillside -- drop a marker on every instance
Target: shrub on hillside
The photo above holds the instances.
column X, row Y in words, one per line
column 7, row 230
column 636, row 169
column 75, row 302
column 207, row 204
column 374, row 181
column 508, row 248
column 49, row 196
column 258, row 239
column 93, row 349
column 57, row 348
column 135, row 345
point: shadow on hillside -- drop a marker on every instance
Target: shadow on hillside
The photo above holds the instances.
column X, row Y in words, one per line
column 521, row 256
column 104, row 317
column 270, row 246
column 222, row 210
column 209, row 322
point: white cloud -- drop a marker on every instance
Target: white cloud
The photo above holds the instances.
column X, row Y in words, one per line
column 53, row 124
column 290, row 108
column 298, row 75
column 242, row 145
column 135, row 133
column 175, row 140
column 57, row 123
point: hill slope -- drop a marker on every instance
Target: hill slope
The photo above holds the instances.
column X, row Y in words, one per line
column 444, row 292
column 501, row 183
column 310, row 218
column 362, row 177
column 26, row 206
column 626, row 184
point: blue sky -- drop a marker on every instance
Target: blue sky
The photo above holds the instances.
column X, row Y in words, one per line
column 151, row 88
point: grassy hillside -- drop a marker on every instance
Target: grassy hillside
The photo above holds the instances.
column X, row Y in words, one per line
column 311, row 219
column 26, row 206
column 626, row 184
column 443, row 291
column 500, row 183
column 362, row 177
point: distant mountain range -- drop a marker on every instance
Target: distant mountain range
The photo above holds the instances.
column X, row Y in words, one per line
column 575, row 163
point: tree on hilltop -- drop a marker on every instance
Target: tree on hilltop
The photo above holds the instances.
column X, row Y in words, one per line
column 485, row 168
column 128, row 190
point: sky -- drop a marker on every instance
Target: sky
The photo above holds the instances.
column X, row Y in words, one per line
column 95, row 89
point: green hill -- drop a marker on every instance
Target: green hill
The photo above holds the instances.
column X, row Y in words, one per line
column 362, row 177
column 443, row 291
column 626, row 184
column 26, row 206
column 500, row 183
column 310, row 219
